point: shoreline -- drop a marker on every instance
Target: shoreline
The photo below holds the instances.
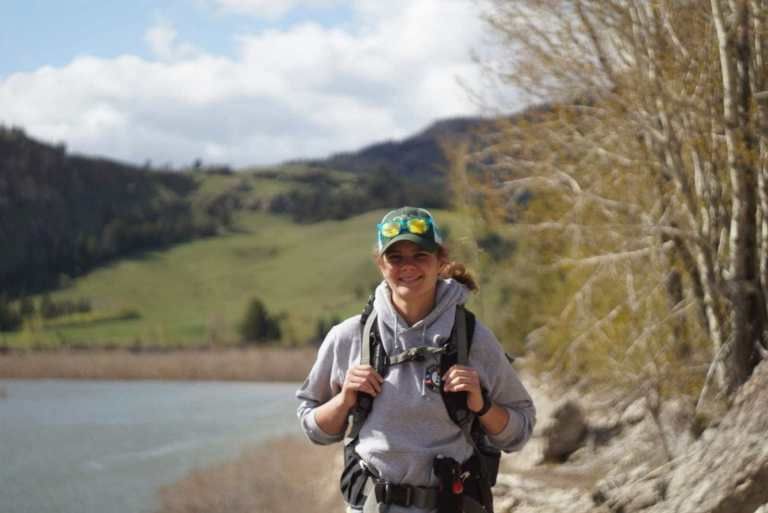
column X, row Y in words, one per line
column 226, row 364
column 300, row 473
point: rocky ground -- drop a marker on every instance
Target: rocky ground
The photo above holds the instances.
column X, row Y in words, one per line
column 584, row 459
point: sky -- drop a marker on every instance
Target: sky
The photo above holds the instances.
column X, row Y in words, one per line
column 236, row 82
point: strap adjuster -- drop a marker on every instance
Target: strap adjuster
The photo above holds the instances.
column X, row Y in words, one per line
column 390, row 493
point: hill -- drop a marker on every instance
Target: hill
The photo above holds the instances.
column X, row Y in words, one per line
column 195, row 293
column 61, row 214
column 420, row 157
column 409, row 171
column 66, row 216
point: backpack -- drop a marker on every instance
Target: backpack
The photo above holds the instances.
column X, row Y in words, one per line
column 483, row 466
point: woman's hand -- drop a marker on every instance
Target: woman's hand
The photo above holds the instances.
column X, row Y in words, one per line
column 461, row 378
column 360, row 378
column 331, row 416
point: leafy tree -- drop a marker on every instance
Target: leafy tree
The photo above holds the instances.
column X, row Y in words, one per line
column 648, row 169
column 258, row 325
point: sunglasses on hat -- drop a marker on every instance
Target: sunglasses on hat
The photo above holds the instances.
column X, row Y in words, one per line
column 414, row 225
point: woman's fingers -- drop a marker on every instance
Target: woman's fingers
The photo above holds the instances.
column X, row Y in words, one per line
column 362, row 384
column 364, row 378
column 460, row 378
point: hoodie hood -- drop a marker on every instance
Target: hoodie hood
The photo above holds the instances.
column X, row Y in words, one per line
column 432, row 330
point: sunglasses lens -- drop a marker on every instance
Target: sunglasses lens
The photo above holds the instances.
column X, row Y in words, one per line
column 389, row 230
column 418, row 226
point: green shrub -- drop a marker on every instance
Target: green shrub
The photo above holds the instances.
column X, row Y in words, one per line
column 10, row 320
column 258, row 325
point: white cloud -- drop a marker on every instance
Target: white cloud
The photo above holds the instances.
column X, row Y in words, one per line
column 302, row 91
column 163, row 40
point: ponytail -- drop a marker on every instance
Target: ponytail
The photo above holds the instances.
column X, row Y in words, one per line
column 456, row 271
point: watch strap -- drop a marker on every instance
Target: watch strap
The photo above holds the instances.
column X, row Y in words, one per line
column 487, row 403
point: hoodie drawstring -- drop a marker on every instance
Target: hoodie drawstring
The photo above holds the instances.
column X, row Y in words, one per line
column 449, row 294
column 423, row 343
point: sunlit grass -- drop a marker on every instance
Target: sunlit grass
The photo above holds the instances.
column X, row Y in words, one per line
column 196, row 293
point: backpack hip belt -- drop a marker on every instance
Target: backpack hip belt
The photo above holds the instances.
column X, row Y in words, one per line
column 406, row 495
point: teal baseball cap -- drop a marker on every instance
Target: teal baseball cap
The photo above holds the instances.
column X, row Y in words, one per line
column 408, row 223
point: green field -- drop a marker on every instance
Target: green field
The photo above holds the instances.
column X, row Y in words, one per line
column 196, row 293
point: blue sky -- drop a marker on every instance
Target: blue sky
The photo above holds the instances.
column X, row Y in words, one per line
column 36, row 33
column 242, row 82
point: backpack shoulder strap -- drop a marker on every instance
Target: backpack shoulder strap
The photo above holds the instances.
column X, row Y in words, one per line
column 464, row 330
column 368, row 354
column 456, row 403
column 371, row 353
column 365, row 339
column 460, row 343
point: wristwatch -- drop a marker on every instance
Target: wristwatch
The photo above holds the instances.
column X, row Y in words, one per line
column 487, row 403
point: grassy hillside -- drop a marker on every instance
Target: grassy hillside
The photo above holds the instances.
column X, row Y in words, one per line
column 63, row 215
column 196, row 292
column 127, row 256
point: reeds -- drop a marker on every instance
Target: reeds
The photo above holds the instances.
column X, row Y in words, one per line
column 257, row 364
column 283, row 476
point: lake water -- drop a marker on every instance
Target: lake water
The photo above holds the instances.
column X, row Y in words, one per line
column 106, row 447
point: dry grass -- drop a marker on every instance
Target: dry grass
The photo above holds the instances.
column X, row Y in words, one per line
column 265, row 364
column 284, row 476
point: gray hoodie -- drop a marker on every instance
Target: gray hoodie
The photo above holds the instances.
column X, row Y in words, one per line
column 409, row 424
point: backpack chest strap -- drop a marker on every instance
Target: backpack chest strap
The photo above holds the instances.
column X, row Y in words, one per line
column 414, row 354
column 417, row 354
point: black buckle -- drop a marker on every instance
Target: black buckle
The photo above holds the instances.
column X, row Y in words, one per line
column 390, row 493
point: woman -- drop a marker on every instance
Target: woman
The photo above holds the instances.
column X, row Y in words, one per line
column 405, row 440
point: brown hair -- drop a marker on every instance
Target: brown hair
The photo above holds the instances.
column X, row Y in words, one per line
column 456, row 271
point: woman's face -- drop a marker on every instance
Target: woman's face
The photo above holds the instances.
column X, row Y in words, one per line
column 410, row 271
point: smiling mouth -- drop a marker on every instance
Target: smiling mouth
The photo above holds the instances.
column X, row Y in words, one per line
column 409, row 281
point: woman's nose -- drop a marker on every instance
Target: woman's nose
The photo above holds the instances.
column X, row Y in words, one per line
column 406, row 261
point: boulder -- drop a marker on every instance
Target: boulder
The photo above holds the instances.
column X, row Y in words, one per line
column 724, row 471
column 567, row 432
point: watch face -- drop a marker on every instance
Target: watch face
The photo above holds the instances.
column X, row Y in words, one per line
column 432, row 378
